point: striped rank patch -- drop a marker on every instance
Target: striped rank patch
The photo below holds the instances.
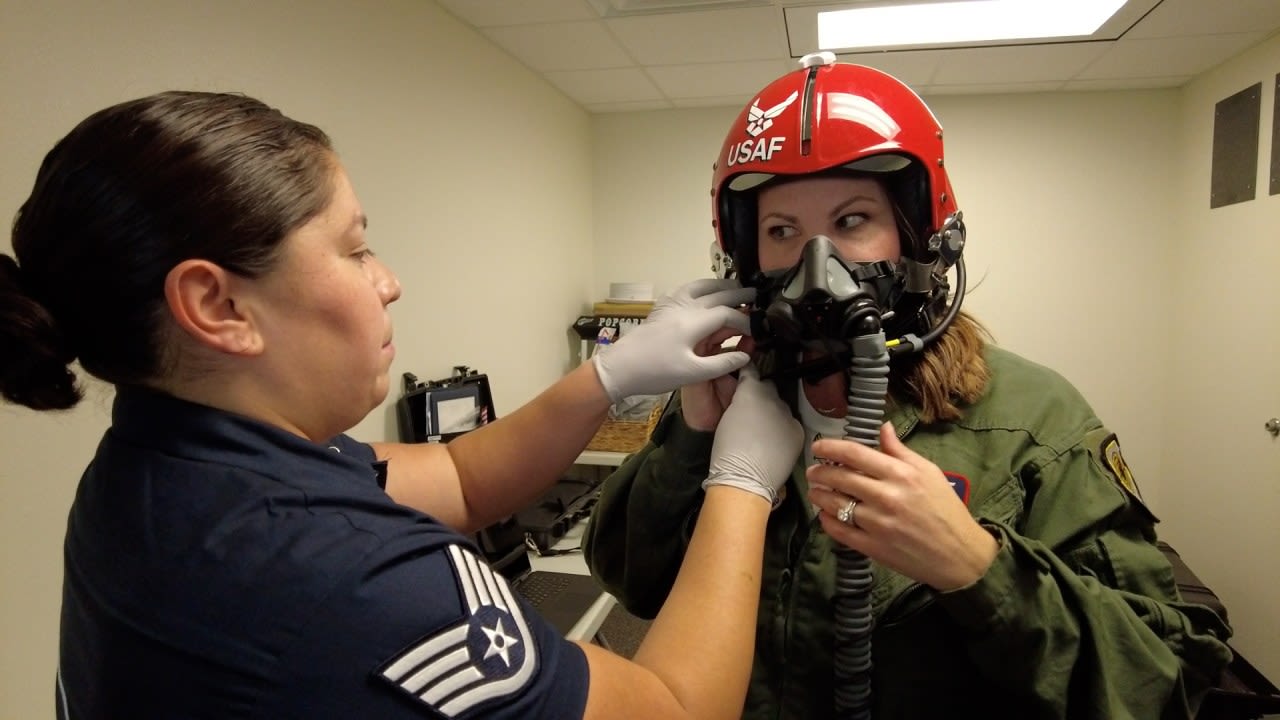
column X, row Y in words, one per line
column 488, row 655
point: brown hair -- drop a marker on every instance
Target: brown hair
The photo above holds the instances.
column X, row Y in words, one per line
column 950, row 373
column 128, row 194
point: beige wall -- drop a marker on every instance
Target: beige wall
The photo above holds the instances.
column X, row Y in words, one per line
column 475, row 174
column 1223, row 351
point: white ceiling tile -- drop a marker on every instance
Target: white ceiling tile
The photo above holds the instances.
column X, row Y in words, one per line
column 1152, row 83
column 561, row 46
column 1131, row 13
column 605, row 86
column 913, row 67
column 487, row 13
column 1178, row 18
column 988, row 88
column 1016, row 63
column 702, row 37
column 1167, row 56
column 733, row 101
column 613, row 8
column 802, row 28
column 620, row 107
column 737, row 78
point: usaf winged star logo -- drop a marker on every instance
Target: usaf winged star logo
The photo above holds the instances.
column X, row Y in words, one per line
column 488, row 655
column 760, row 120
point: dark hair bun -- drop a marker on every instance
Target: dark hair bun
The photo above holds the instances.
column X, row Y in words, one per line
column 34, row 357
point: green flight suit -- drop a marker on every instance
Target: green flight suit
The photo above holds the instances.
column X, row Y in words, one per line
column 1078, row 616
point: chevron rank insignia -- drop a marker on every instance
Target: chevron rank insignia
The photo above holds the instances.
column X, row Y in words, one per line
column 486, row 656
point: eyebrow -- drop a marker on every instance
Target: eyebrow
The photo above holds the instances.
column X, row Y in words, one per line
column 834, row 213
column 780, row 216
column 361, row 220
column 853, row 201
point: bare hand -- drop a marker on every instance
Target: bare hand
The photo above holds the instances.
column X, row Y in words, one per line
column 907, row 516
column 703, row 404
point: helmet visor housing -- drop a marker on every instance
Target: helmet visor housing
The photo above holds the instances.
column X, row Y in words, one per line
column 825, row 117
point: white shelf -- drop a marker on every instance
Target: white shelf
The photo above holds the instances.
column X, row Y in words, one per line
column 601, row 457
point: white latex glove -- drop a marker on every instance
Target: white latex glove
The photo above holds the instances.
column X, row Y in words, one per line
column 658, row 355
column 757, row 441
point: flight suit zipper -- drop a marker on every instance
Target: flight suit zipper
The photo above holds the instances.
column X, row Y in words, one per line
column 887, row 619
column 787, row 590
column 780, row 618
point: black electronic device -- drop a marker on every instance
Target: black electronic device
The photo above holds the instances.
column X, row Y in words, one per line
column 440, row 410
column 567, row 503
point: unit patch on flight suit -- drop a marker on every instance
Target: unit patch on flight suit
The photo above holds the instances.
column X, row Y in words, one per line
column 1106, row 451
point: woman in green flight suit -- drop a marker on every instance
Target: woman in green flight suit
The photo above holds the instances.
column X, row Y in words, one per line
column 1014, row 567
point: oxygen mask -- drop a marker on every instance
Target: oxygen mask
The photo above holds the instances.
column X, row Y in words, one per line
column 814, row 309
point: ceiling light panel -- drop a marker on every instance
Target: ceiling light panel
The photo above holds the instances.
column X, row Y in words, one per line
column 802, row 21
column 974, row 21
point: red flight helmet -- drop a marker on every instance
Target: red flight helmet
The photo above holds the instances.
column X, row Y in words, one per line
column 830, row 116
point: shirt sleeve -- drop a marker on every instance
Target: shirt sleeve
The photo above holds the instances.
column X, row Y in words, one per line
column 1077, row 592
column 422, row 629
column 641, row 525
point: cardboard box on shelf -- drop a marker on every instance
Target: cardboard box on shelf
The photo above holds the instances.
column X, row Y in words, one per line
column 617, row 309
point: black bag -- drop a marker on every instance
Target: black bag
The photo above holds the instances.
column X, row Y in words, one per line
column 567, row 502
column 1242, row 693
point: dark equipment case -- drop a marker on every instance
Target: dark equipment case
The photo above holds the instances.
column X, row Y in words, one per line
column 1242, row 693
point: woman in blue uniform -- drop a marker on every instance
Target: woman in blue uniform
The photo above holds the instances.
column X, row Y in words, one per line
column 230, row 552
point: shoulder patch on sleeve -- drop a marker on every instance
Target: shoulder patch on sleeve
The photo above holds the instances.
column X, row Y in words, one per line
column 487, row 655
column 1105, row 447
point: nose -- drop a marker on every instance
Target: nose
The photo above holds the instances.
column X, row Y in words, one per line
column 388, row 284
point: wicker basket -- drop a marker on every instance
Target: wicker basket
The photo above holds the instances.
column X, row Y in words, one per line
column 625, row 436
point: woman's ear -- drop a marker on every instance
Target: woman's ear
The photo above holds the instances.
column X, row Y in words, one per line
column 201, row 298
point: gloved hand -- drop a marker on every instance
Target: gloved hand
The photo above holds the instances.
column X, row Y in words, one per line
column 658, row 355
column 757, row 441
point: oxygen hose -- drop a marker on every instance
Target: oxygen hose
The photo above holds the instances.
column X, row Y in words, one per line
column 868, row 396
column 868, row 390
column 803, row 307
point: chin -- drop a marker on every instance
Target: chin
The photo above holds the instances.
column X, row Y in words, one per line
column 381, row 388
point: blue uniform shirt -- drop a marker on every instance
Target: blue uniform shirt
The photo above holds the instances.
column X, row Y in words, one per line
column 219, row 567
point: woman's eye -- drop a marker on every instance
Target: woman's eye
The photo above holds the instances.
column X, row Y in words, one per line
column 850, row 221
column 364, row 254
column 781, row 232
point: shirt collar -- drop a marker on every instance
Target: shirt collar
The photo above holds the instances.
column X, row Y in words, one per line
column 171, row 425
